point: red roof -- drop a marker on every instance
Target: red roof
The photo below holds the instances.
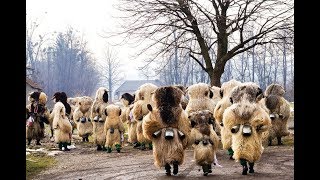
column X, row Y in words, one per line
column 33, row 84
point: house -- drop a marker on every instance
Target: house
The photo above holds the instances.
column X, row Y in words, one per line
column 31, row 86
column 130, row 86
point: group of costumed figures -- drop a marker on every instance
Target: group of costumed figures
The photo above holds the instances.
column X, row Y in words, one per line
column 170, row 119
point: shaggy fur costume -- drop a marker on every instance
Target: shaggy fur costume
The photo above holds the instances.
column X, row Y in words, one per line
column 140, row 110
column 279, row 112
column 200, row 98
column 37, row 115
column 61, row 125
column 223, row 104
column 138, row 116
column 82, row 118
column 246, row 142
column 113, row 127
column 98, row 116
column 168, row 116
column 62, row 97
column 204, row 139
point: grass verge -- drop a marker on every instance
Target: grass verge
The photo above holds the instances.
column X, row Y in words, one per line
column 35, row 163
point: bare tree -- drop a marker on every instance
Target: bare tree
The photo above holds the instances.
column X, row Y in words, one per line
column 67, row 65
column 110, row 70
column 221, row 22
column 34, row 47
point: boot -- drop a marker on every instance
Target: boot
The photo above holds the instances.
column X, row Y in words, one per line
column 99, row 148
column 29, row 141
column 279, row 141
column 167, row 168
column 150, row 146
column 38, row 142
column 244, row 166
column 205, row 170
column 136, row 144
column 109, row 150
column 210, row 168
column 60, row 146
column 104, row 148
column 87, row 138
column 175, row 167
column 251, row 170
column 270, row 142
column 83, row 139
column 230, row 152
column 118, row 147
column 142, row 146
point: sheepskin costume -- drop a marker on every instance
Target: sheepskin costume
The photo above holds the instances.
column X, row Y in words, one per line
column 81, row 115
column 97, row 114
column 220, row 107
column 127, row 101
column 168, row 127
column 61, row 97
column 113, row 127
column 204, row 139
column 279, row 112
column 200, row 98
column 247, row 91
column 37, row 116
column 73, row 102
column 132, row 127
column 62, row 127
column 247, row 121
column 140, row 110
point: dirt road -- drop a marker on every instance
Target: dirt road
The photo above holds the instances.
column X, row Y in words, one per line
column 84, row 162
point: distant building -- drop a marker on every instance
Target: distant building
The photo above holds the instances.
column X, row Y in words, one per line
column 31, row 86
column 130, row 86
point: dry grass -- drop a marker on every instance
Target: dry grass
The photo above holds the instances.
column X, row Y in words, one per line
column 35, row 163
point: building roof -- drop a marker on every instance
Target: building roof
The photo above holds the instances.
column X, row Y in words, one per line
column 133, row 85
column 33, row 84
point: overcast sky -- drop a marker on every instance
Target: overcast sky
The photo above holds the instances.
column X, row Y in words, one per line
column 91, row 18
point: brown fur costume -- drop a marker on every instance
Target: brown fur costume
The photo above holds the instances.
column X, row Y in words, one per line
column 200, row 98
column 81, row 116
column 246, row 120
column 223, row 104
column 167, row 114
column 61, row 125
column 113, row 127
column 138, row 116
column 204, row 139
column 279, row 112
column 37, row 116
column 98, row 116
column 140, row 110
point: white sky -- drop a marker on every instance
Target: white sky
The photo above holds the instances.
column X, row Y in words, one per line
column 90, row 17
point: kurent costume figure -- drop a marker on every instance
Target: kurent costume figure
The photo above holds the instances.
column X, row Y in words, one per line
column 97, row 114
column 204, row 139
column 279, row 112
column 168, row 127
column 37, row 115
column 223, row 104
column 247, row 120
column 62, row 126
column 113, row 128
column 81, row 115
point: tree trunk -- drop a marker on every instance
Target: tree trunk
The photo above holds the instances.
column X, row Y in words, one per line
column 284, row 66
column 110, row 80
